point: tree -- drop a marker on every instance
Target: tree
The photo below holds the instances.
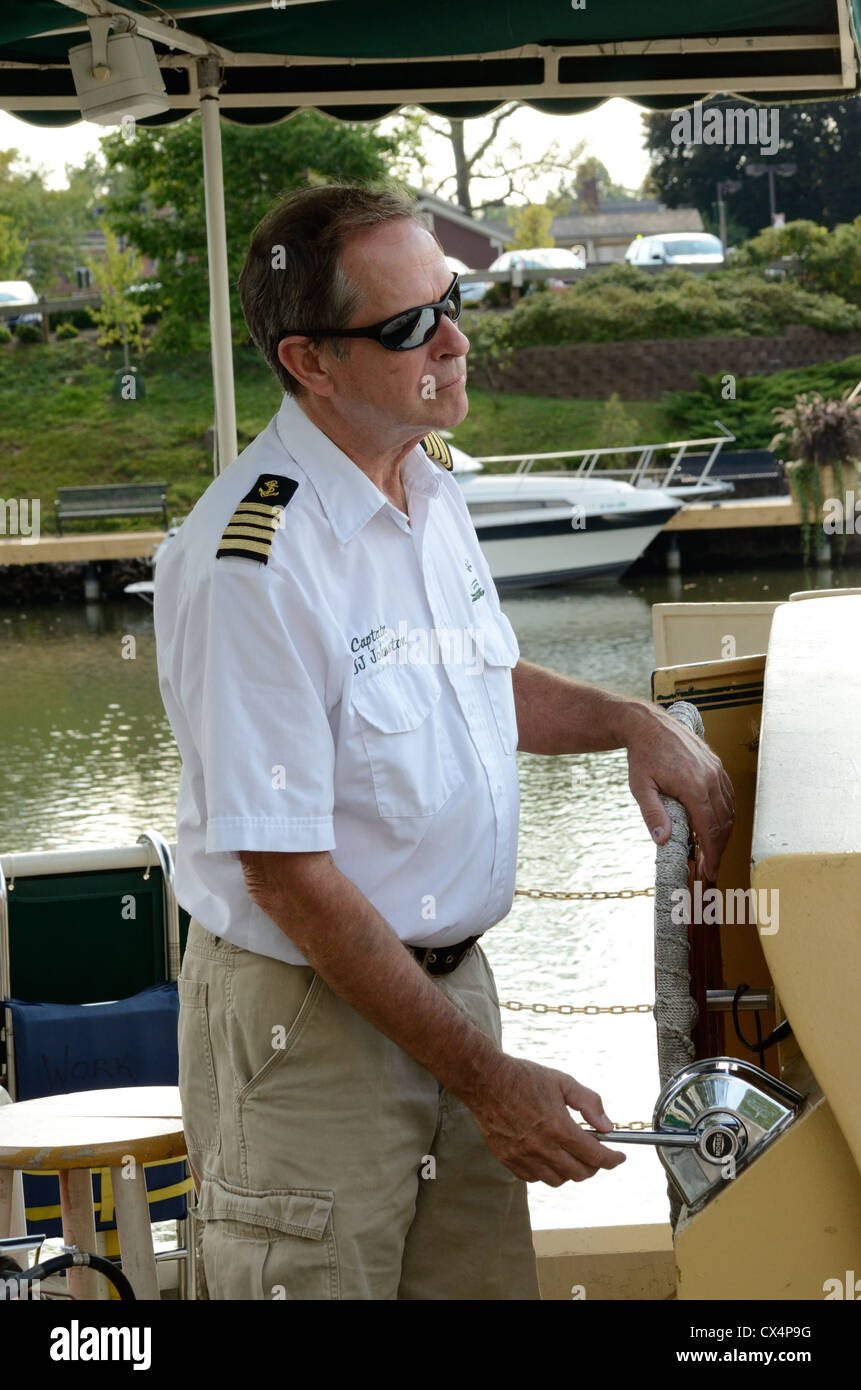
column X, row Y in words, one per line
column 531, row 227
column 822, row 139
column 158, row 200
column 119, row 317
column 12, row 248
column 489, row 161
column 44, row 228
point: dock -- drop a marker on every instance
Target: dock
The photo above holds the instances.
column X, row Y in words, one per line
column 86, row 547
column 81, row 549
column 739, row 514
column 727, row 528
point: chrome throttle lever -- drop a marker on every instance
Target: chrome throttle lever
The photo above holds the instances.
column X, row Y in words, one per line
column 719, row 1135
column 645, row 1136
column 711, row 1119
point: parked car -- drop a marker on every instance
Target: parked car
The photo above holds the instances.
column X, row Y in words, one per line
column 676, row 248
column 547, row 258
column 18, row 292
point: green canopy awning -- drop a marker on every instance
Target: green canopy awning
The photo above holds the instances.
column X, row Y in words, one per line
column 258, row 61
column 362, row 59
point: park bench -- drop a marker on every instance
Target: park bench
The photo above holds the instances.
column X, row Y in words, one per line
column 120, row 499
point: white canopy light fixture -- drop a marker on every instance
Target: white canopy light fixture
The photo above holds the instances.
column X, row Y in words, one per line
column 117, row 75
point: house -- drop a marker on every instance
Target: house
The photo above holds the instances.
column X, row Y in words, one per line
column 607, row 233
column 459, row 234
column 93, row 247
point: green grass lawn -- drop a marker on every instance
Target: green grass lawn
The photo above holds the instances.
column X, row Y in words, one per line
column 503, row 424
column 60, row 424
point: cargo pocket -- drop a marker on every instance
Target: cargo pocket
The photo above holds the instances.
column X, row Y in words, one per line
column 284, row 1041
column 197, row 1087
column 411, row 760
column 499, row 652
column 268, row 1245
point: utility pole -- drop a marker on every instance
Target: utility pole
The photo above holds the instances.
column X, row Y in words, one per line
column 783, row 171
column 725, row 186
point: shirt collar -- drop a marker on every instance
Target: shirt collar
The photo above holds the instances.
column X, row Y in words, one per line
column 347, row 495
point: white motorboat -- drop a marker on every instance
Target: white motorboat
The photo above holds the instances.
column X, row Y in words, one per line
column 545, row 529
column 553, row 528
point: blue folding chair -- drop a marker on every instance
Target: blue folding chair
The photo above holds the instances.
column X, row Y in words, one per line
column 107, row 926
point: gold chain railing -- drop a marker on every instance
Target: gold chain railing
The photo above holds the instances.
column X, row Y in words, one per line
column 515, row 1005
column 631, row 1124
column 598, row 896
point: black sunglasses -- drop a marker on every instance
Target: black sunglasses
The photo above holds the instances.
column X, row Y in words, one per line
column 409, row 329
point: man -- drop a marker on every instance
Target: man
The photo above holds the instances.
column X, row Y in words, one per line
column 354, row 1127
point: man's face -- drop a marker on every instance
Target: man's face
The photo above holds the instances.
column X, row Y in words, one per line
column 399, row 266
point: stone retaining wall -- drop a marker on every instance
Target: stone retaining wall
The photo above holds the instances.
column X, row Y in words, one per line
column 644, row 370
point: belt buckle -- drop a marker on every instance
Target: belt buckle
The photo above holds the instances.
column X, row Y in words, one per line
column 450, row 958
column 447, row 959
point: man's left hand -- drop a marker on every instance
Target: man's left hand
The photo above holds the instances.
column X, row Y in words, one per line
column 665, row 757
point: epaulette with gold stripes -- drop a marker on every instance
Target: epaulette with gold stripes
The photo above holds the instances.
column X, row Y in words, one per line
column 436, row 448
column 250, row 531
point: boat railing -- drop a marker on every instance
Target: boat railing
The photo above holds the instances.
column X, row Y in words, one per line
column 660, row 471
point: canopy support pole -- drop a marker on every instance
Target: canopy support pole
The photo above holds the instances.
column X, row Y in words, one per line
column 209, row 82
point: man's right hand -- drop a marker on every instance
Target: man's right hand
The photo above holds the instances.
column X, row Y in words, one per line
column 521, row 1109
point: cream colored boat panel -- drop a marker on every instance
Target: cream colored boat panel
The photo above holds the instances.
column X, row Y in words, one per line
column 686, row 632
column 806, row 850
column 785, row 1227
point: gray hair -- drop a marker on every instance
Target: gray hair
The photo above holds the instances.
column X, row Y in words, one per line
column 293, row 279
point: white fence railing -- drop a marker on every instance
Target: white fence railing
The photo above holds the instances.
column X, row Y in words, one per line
column 661, row 471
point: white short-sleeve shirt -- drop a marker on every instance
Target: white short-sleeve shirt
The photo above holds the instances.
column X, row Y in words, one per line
column 338, row 677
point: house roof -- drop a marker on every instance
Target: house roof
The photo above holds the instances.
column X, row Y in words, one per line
column 453, row 212
column 629, row 223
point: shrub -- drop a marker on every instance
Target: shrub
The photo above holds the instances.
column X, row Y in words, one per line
column 818, row 434
column 5, row 335
column 624, row 303
column 28, row 332
column 617, row 426
column 819, row 260
column 65, row 330
column 81, row 318
column 749, row 416
column 489, row 347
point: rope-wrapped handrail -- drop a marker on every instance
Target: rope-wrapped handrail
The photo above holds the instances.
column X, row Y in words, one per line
column 675, row 1011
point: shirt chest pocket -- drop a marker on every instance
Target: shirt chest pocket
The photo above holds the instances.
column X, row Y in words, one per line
column 498, row 652
column 409, row 754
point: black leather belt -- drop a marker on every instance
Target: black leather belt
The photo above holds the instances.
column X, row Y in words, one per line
column 442, row 960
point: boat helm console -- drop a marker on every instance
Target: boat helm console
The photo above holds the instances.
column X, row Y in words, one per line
column 711, row 1120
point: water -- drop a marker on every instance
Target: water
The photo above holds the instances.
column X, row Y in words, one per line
column 88, row 758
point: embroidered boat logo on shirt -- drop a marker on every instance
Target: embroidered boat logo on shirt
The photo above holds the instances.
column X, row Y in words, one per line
column 250, row 531
column 436, row 448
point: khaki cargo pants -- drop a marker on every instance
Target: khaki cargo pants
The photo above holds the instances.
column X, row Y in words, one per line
column 332, row 1165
